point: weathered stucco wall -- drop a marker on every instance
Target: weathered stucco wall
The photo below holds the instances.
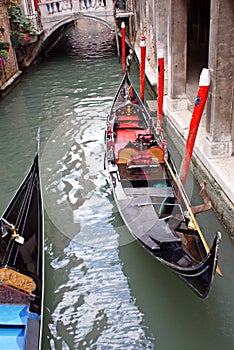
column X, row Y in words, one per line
column 221, row 65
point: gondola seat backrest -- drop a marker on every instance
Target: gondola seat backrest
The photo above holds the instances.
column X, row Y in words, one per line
column 156, row 152
column 126, row 153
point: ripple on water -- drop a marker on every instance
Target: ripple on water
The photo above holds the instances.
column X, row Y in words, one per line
column 97, row 309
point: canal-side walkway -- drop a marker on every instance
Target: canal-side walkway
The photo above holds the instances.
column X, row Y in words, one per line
column 219, row 171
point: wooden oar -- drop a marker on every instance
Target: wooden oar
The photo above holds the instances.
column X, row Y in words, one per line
column 192, row 217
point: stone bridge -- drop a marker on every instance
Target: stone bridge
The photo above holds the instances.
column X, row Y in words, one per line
column 56, row 14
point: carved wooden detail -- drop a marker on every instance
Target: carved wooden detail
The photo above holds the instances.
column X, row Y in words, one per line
column 17, row 280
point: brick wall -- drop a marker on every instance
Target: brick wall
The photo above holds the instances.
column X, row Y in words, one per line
column 10, row 65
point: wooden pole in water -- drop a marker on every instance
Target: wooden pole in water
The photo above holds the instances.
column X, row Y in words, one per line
column 199, row 105
column 142, row 67
column 160, row 86
column 123, row 47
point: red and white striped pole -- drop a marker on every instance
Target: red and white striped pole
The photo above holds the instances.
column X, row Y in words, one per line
column 123, row 47
column 142, row 67
column 160, row 86
column 204, row 84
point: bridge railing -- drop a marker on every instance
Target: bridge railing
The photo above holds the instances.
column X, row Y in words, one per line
column 55, row 12
column 50, row 8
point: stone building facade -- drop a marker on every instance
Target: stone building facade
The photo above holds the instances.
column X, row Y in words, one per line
column 9, row 70
column 194, row 34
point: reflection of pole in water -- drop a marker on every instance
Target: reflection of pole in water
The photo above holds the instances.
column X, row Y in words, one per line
column 117, row 39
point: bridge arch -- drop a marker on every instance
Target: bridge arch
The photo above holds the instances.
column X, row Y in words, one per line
column 54, row 17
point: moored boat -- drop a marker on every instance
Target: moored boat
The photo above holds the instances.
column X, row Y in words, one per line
column 22, row 266
column 149, row 195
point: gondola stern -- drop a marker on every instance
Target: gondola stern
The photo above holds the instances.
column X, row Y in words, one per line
column 201, row 283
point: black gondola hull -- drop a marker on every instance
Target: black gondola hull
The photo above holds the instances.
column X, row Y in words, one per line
column 22, row 265
column 142, row 176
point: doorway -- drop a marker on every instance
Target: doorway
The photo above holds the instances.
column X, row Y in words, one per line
column 197, row 44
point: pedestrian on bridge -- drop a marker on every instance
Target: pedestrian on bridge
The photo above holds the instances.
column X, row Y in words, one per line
column 98, row 3
column 87, row 4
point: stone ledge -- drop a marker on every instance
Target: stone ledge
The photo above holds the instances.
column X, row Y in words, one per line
column 174, row 105
column 218, row 149
column 10, row 81
column 220, row 169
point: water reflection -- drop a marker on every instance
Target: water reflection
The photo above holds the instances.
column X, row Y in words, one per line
column 91, row 39
column 94, row 308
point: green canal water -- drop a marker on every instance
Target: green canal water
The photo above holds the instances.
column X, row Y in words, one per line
column 102, row 290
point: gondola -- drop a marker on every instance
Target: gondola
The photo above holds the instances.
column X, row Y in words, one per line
column 22, row 266
column 149, row 195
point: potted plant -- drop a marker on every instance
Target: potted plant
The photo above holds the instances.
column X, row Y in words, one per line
column 23, row 31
